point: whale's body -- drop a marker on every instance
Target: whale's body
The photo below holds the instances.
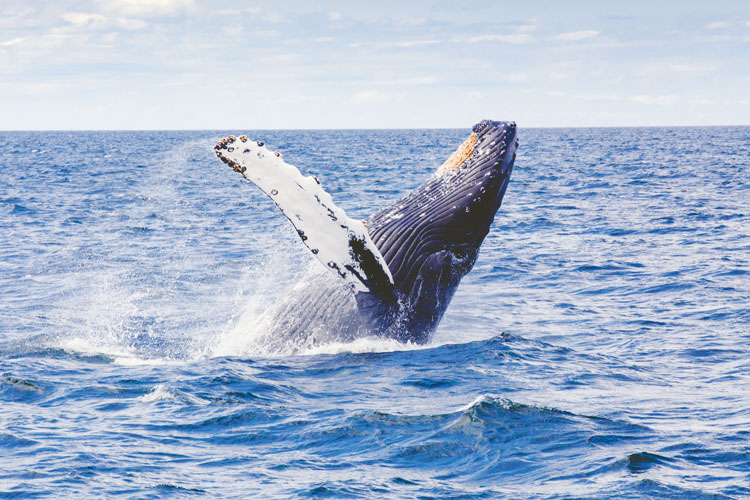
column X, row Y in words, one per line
column 394, row 274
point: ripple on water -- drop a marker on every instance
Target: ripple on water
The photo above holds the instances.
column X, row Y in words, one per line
column 616, row 269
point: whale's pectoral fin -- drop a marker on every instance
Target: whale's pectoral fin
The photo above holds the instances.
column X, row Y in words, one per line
column 339, row 242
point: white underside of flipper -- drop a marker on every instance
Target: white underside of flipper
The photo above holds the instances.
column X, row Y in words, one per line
column 339, row 242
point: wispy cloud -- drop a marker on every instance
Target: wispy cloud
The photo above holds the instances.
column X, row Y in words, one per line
column 93, row 21
column 370, row 96
column 692, row 68
column 531, row 25
column 414, row 21
column 516, row 77
column 84, row 19
column 296, row 58
column 717, row 25
column 516, row 38
column 592, row 96
column 242, row 14
column 144, row 8
column 35, row 89
column 414, row 80
column 10, row 43
column 666, row 67
column 572, row 36
column 412, row 43
column 398, row 44
column 658, row 100
column 235, row 12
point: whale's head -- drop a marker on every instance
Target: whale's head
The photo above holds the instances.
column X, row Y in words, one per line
column 430, row 238
column 471, row 183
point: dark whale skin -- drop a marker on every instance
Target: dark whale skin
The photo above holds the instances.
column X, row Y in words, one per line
column 430, row 239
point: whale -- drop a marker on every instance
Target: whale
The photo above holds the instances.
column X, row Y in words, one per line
column 393, row 274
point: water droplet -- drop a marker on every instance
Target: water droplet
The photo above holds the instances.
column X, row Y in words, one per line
column 274, row 192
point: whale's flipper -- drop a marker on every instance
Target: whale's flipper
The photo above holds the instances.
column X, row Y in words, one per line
column 341, row 243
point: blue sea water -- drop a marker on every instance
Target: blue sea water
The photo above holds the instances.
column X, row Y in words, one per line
column 600, row 348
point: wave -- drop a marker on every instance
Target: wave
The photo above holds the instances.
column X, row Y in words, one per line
column 163, row 392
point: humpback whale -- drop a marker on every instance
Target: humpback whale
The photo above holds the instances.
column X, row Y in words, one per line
column 393, row 274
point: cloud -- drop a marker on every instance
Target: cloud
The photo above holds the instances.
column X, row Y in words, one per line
column 370, row 96
column 516, row 38
column 692, row 68
column 145, row 8
column 594, row 96
column 516, row 77
column 560, row 75
column 274, row 17
column 12, row 42
column 658, row 100
column 83, row 19
column 33, row 89
column 717, row 25
column 334, row 16
column 415, row 80
column 411, row 43
column 415, row 21
column 131, row 24
column 576, row 35
column 664, row 67
column 234, row 12
column 401, row 44
column 278, row 58
column 529, row 26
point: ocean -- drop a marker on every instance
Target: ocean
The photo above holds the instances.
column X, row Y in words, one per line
column 599, row 349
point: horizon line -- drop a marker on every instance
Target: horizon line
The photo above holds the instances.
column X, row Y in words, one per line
column 357, row 128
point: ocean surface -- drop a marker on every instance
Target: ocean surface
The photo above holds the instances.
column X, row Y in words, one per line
column 600, row 348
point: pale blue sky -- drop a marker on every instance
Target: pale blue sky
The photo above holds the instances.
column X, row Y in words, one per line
column 193, row 64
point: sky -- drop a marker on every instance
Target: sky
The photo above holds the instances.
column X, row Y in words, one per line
column 195, row 64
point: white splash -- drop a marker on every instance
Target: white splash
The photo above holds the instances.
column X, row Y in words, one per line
column 162, row 392
column 363, row 345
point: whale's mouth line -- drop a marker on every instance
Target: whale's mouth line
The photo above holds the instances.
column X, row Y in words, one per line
column 459, row 156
